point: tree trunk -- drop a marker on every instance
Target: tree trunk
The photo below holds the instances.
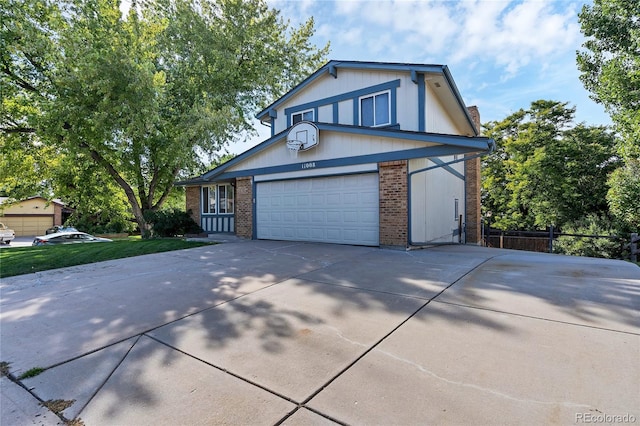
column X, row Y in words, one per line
column 137, row 210
column 145, row 228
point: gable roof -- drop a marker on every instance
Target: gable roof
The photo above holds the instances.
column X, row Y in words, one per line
column 333, row 67
column 469, row 144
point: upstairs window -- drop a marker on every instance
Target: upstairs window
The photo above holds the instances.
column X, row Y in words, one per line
column 302, row 116
column 375, row 110
column 218, row 199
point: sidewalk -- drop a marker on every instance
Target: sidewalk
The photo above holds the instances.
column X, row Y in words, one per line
column 266, row 332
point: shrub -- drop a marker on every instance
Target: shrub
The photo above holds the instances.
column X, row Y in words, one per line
column 172, row 223
column 592, row 224
column 94, row 224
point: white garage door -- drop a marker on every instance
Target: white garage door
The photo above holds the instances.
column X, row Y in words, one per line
column 336, row 209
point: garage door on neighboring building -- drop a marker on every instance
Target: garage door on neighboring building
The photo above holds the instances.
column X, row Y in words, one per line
column 336, row 209
column 28, row 225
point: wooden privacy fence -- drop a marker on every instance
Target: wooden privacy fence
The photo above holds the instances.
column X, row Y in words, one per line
column 542, row 241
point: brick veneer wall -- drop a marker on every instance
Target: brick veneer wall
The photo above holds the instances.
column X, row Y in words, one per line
column 193, row 202
column 244, row 207
column 57, row 214
column 472, row 188
column 394, row 205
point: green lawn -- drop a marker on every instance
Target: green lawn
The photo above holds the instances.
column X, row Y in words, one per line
column 24, row 260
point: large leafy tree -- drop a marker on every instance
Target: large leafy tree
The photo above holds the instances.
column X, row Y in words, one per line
column 98, row 204
column 624, row 194
column 610, row 70
column 546, row 169
column 145, row 96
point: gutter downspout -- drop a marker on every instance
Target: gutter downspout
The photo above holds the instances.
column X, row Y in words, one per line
column 491, row 147
column 268, row 125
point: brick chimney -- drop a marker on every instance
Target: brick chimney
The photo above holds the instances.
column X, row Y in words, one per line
column 472, row 188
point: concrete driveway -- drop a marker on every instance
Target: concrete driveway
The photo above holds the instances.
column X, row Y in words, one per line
column 18, row 242
column 267, row 332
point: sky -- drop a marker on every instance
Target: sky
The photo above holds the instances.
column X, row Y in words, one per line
column 502, row 54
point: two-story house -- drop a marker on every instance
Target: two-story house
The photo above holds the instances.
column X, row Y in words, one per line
column 363, row 153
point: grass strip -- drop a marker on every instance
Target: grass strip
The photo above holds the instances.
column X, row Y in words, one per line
column 32, row 372
column 25, row 260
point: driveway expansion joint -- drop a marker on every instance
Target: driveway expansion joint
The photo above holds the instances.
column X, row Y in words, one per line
column 387, row 335
column 41, row 402
column 104, row 382
column 225, row 370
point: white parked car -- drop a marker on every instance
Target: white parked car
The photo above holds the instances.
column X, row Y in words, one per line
column 68, row 238
column 6, row 235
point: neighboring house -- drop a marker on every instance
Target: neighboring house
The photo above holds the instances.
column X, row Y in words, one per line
column 32, row 216
column 360, row 153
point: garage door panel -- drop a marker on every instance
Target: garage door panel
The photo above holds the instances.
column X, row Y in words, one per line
column 335, row 234
column 317, row 217
column 337, row 209
column 334, row 217
column 368, row 235
column 317, row 200
column 351, row 217
column 370, row 217
column 334, row 200
column 28, row 225
column 318, row 184
column 351, row 235
column 300, row 185
column 276, row 217
column 352, row 199
column 276, row 200
column 368, row 197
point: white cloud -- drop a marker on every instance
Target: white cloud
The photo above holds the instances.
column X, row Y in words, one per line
column 511, row 34
column 516, row 35
column 427, row 24
column 351, row 36
column 347, row 7
column 324, row 31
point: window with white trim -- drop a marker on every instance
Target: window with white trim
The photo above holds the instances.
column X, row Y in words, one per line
column 375, row 110
column 209, row 199
column 225, row 199
column 218, row 199
column 302, row 116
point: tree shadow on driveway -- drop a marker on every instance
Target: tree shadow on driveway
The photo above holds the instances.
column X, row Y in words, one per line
column 285, row 318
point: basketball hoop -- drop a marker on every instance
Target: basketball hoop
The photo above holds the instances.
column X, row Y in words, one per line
column 301, row 137
column 293, row 146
